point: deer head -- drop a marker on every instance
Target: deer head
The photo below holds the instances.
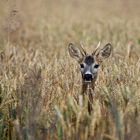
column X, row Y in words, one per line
column 89, row 63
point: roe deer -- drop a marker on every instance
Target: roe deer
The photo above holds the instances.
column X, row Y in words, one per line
column 89, row 64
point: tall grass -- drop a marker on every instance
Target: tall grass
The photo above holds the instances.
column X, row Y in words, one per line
column 40, row 84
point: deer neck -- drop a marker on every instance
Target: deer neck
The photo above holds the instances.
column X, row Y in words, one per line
column 88, row 87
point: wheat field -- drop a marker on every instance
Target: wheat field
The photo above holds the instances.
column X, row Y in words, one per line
column 40, row 84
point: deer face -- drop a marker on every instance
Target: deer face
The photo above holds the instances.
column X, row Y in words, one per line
column 89, row 63
column 89, row 68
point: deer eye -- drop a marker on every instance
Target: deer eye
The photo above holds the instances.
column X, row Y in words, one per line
column 82, row 65
column 96, row 66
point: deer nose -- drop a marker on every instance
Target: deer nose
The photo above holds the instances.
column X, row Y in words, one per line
column 88, row 77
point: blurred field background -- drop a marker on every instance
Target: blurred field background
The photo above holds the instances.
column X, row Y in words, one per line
column 40, row 83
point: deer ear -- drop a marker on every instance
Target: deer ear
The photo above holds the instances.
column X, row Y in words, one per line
column 104, row 52
column 75, row 52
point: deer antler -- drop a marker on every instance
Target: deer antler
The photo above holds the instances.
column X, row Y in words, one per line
column 96, row 49
column 81, row 47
